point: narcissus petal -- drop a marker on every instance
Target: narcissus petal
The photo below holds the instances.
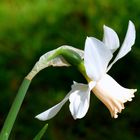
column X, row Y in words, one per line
column 96, row 58
column 80, row 99
column 127, row 44
column 50, row 113
column 111, row 39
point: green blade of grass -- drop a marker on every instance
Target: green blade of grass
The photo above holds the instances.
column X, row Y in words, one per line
column 41, row 133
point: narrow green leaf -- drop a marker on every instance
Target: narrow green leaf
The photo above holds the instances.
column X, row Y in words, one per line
column 41, row 133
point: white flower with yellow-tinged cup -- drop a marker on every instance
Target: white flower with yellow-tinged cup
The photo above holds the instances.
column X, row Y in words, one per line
column 97, row 55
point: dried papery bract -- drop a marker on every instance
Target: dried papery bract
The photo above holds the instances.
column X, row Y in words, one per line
column 54, row 58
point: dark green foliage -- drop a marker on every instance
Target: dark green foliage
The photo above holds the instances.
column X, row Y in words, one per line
column 29, row 29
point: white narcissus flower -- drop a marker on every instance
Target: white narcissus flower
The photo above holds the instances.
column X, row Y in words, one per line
column 97, row 56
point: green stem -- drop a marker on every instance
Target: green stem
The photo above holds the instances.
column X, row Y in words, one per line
column 82, row 70
column 11, row 117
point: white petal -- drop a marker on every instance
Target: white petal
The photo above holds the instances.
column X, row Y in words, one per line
column 127, row 44
column 96, row 58
column 79, row 99
column 112, row 94
column 111, row 39
column 50, row 113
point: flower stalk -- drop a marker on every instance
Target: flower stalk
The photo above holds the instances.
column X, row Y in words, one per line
column 8, row 124
column 63, row 56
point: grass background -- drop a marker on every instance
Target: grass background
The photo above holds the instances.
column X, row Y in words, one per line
column 29, row 29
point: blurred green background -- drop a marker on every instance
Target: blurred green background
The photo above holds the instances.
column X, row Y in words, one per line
column 30, row 28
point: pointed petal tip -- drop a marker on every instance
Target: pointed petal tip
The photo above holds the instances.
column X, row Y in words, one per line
column 42, row 117
column 135, row 90
column 111, row 39
column 104, row 26
column 36, row 117
column 88, row 38
column 130, row 22
column 75, row 117
column 39, row 117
